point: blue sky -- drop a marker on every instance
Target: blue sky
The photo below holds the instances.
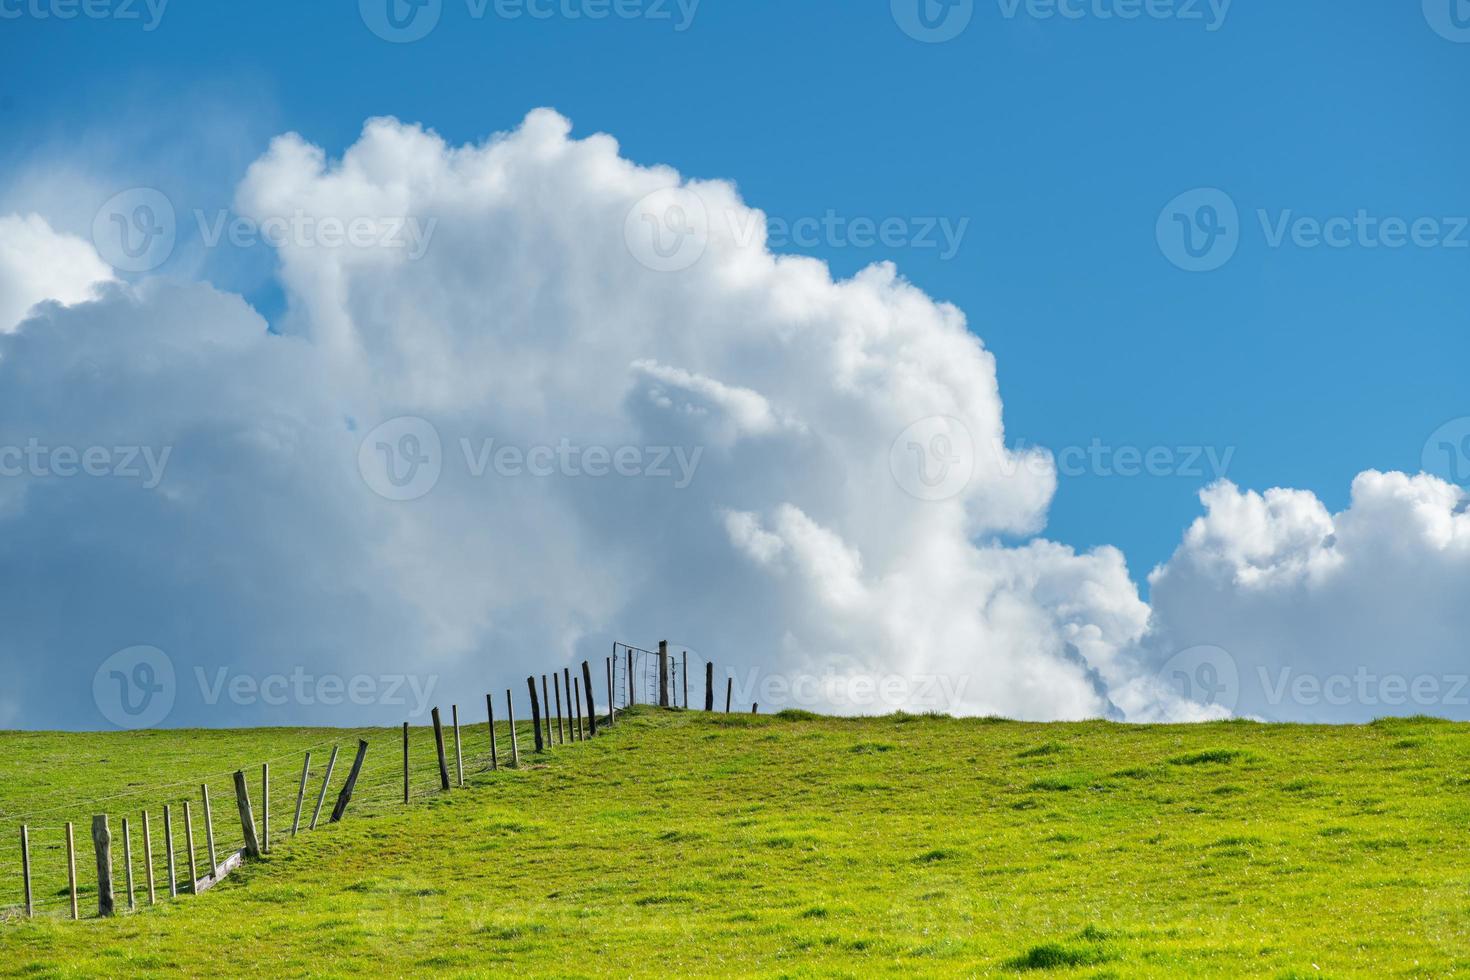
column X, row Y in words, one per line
column 1059, row 140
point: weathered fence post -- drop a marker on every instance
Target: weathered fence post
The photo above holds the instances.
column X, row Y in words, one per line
column 301, row 795
column 128, row 861
column 591, row 701
column 755, row 709
column 326, row 781
column 209, row 829
column 546, row 709
column 632, row 697
column 345, row 797
column 561, row 735
column 439, row 748
column 663, row 673
column 247, row 818
column 102, row 844
column 71, row 869
column 612, row 711
column 189, row 837
column 458, row 752
column 536, row 714
column 405, row 763
column 686, row 680
column 168, row 852
column 148, row 859
column 566, row 683
column 490, row 713
column 577, row 706
column 729, row 690
column 709, row 686
column 25, row 869
column 265, row 807
column 515, row 743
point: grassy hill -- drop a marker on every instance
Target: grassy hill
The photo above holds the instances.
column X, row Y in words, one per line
column 694, row 844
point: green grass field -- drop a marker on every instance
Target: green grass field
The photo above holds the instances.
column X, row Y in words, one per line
column 686, row 843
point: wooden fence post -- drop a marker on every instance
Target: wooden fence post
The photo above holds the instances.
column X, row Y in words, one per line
column 439, row 748
column 755, row 709
column 189, row 837
column 561, row 735
column 148, row 859
column 25, row 869
column 102, row 844
column 663, row 673
column 535, row 714
column 709, row 686
column 300, row 795
column 515, row 743
column 208, row 829
column 686, row 679
column 326, row 781
column 128, row 860
column 71, row 869
column 247, row 818
column 577, row 706
column 345, row 796
column 490, row 713
column 591, row 701
column 265, row 807
column 632, row 697
column 546, row 709
column 612, row 711
column 566, row 683
column 405, row 763
column 168, row 852
column 458, row 752
column 729, row 690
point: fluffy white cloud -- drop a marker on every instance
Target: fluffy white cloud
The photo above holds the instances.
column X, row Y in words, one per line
column 1309, row 615
column 37, row 263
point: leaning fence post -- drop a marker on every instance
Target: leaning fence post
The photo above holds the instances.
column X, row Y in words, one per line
column 189, row 837
column 709, row 686
column 729, row 690
column 208, row 829
column 439, row 747
column 148, row 859
column 345, row 796
column 326, row 781
column 265, row 806
column 168, row 850
column 458, row 752
column 515, row 745
column 247, row 819
column 71, row 869
column 25, row 868
column 536, row 714
column 561, row 735
column 102, row 844
column 663, row 673
column 300, row 795
column 128, row 861
column 591, row 701
column 490, row 714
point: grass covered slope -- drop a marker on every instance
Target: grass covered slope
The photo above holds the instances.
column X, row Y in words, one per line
column 687, row 843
